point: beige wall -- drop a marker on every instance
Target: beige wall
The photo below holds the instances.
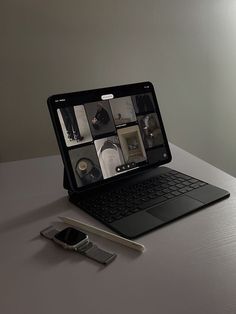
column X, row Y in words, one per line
column 187, row 48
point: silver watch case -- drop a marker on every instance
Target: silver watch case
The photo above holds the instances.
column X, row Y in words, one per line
column 71, row 247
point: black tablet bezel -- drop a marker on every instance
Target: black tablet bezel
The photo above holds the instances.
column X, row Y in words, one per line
column 76, row 98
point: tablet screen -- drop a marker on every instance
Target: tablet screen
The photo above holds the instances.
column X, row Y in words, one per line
column 111, row 136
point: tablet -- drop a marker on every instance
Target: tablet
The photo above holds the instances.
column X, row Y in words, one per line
column 108, row 134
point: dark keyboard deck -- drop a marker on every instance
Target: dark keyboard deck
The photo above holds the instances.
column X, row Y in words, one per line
column 118, row 203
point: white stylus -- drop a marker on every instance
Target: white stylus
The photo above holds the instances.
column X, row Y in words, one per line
column 105, row 234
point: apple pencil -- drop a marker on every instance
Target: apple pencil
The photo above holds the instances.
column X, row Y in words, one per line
column 105, row 234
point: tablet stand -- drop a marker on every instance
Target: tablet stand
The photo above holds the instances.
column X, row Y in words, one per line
column 66, row 184
column 73, row 196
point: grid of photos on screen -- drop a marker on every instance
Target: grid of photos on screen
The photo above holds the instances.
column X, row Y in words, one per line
column 106, row 138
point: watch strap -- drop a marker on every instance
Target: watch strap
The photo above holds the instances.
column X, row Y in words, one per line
column 88, row 248
column 49, row 232
column 94, row 252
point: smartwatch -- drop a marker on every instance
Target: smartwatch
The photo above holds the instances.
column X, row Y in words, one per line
column 75, row 240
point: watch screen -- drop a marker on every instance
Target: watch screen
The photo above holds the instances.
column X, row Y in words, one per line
column 70, row 236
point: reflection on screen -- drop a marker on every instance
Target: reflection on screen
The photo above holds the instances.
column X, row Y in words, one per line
column 110, row 137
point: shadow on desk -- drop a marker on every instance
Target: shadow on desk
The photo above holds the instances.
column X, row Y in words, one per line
column 54, row 208
column 51, row 255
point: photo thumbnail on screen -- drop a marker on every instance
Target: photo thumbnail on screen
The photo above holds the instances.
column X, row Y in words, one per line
column 150, row 130
column 143, row 103
column 85, row 165
column 74, row 125
column 132, row 144
column 110, row 155
column 123, row 110
column 100, row 118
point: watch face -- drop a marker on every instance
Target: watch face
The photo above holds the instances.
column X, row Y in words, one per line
column 70, row 236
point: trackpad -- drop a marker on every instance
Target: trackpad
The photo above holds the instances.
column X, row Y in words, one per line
column 175, row 208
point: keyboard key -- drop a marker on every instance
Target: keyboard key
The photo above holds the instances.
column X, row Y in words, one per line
column 153, row 196
column 159, row 193
column 186, row 183
column 113, row 211
column 195, row 185
column 180, row 186
column 184, row 190
column 166, row 190
column 188, row 188
column 164, row 185
column 169, row 196
column 118, row 216
column 109, row 219
column 182, row 176
column 193, row 180
column 175, row 193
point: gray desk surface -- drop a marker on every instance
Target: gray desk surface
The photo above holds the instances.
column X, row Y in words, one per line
column 189, row 266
